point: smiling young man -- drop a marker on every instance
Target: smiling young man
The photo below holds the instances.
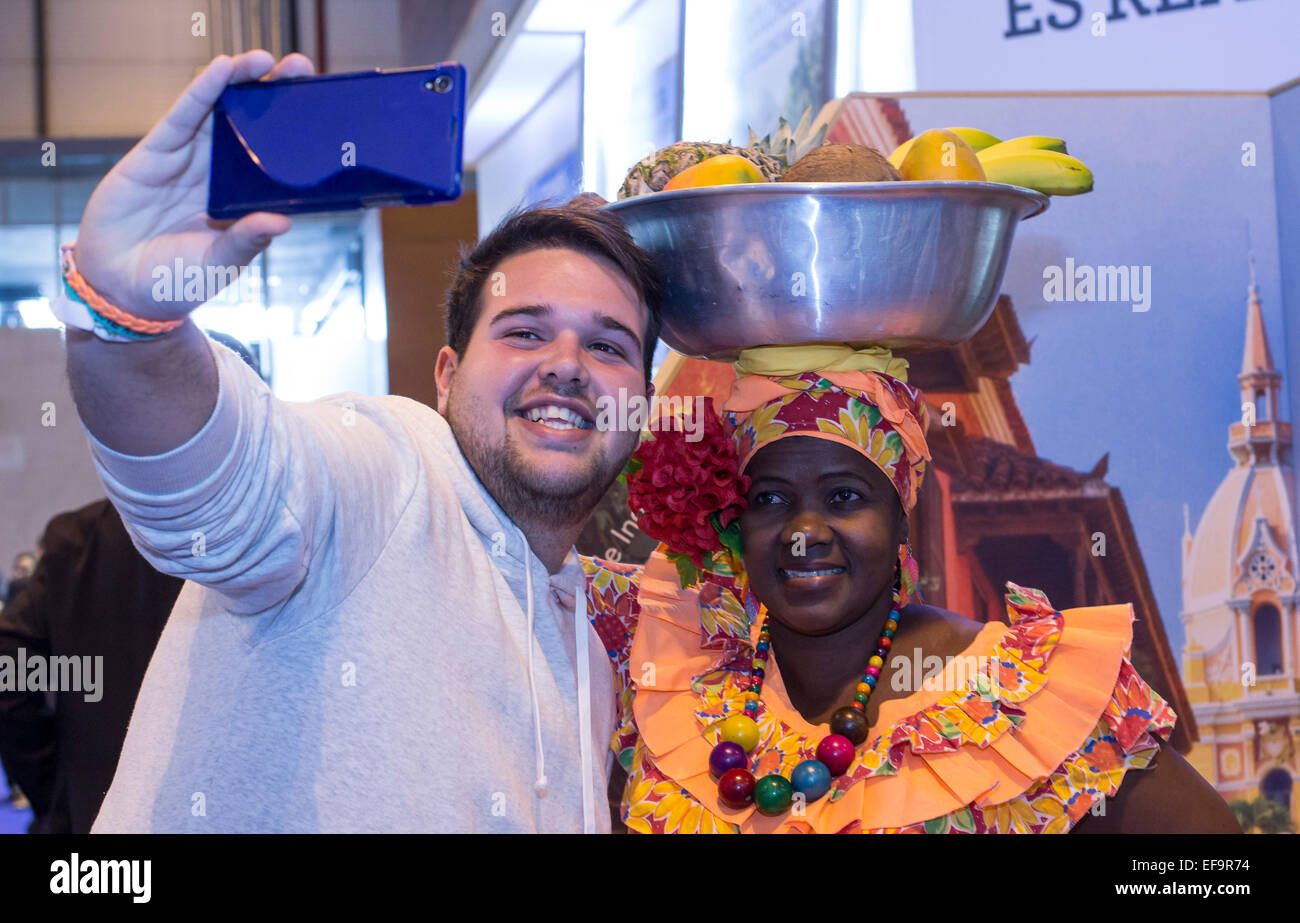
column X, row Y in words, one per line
column 384, row 626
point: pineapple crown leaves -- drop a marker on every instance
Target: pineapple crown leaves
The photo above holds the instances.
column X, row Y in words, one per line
column 789, row 145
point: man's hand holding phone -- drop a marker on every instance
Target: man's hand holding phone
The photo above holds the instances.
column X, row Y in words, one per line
column 150, row 397
column 151, row 208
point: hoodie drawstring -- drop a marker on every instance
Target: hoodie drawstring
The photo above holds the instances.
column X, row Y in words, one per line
column 580, row 628
column 539, row 785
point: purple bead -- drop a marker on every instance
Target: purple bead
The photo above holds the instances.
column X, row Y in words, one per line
column 727, row 756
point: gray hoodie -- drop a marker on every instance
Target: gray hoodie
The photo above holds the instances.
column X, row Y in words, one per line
column 366, row 642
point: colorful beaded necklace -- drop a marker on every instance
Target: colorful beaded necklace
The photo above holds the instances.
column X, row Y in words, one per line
column 774, row 793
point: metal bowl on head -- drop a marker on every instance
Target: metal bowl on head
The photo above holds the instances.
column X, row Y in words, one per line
column 907, row 265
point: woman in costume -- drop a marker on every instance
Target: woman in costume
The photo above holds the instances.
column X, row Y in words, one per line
column 766, row 652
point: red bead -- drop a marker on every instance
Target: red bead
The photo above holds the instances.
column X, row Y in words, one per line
column 885, row 643
column 837, row 752
column 736, row 788
column 858, row 705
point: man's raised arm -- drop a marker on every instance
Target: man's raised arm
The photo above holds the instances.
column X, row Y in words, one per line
column 146, row 398
column 143, row 398
column 217, row 480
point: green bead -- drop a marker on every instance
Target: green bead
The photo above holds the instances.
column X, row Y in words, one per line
column 773, row 794
column 862, row 697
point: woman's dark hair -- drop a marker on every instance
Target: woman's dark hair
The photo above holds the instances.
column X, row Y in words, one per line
column 577, row 225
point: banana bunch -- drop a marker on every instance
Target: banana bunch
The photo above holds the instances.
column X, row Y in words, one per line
column 1033, row 161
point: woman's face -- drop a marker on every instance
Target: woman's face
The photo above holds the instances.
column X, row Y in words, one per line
column 851, row 523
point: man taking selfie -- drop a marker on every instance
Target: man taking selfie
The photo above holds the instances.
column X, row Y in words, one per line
column 385, row 626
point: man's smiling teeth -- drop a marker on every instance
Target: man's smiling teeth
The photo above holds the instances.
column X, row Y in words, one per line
column 824, row 572
column 556, row 417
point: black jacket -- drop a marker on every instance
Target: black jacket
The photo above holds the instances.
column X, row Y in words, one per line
column 92, row 595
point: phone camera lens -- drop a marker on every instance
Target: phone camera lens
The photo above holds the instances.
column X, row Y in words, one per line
column 439, row 84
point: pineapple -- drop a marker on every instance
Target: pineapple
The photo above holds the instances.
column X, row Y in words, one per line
column 773, row 155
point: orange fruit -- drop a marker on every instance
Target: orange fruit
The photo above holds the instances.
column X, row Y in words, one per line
column 939, row 154
column 722, row 170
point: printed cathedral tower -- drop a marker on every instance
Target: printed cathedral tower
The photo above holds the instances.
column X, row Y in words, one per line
column 1240, row 599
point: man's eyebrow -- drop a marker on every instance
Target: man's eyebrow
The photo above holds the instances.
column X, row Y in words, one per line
column 528, row 310
column 610, row 323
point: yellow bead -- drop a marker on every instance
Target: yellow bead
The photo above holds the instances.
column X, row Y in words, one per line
column 740, row 730
column 875, row 662
column 751, row 696
column 863, row 687
column 891, row 624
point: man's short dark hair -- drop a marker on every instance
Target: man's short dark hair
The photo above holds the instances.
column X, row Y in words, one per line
column 577, row 225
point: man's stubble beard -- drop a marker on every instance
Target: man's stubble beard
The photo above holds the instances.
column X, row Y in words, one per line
column 515, row 485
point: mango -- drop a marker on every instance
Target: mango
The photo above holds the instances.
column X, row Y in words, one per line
column 722, row 170
column 939, row 154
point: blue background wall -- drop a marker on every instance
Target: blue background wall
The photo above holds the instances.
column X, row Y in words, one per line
column 1157, row 390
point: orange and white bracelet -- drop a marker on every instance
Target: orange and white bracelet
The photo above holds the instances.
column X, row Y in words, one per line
column 79, row 305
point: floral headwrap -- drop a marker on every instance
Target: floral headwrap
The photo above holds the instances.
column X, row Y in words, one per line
column 690, row 495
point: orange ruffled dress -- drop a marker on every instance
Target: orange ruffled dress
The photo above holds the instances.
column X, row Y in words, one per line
column 1028, row 728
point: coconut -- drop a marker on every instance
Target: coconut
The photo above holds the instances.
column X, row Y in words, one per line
column 841, row 163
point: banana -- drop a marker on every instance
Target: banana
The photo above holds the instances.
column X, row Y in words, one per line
column 1027, row 143
column 978, row 140
column 1049, row 172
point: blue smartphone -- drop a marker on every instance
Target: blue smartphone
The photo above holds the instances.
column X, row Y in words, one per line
column 338, row 142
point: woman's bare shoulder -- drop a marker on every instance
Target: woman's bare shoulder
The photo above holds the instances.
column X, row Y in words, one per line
column 948, row 632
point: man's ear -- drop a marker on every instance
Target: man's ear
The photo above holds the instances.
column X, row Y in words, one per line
column 444, row 369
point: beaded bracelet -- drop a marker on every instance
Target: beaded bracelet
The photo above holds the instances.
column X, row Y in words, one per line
column 119, row 325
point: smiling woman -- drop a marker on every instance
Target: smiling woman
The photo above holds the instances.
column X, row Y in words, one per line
column 779, row 694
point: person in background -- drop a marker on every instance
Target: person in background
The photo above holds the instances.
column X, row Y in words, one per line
column 23, row 566
column 92, row 594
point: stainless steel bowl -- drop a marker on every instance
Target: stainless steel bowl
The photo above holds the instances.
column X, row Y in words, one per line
column 908, row 265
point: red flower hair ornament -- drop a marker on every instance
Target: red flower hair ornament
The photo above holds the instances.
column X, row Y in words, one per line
column 689, row 495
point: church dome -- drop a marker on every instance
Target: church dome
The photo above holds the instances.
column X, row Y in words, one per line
column 1250, row 514
column 1245, row 540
